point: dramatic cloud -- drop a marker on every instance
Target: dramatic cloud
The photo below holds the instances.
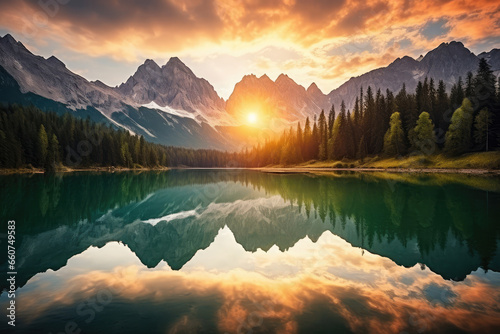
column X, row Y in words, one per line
column 364, row 34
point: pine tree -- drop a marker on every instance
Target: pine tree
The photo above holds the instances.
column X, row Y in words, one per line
column 458, row 137
column 315, row 140
column 394, row 138
column 469, row 86
column 439, row 116
column 323, row 136
column 482, row 124
column 406, row 106
column 307, row 152
column 53, row 155
column 423, row 138
column 485, row 97
column 339, row 136
column 419, row 96
column 361, row 152
column 350, row 143
column 368, row 120
column 432, row 96
column 379, row 123
column 299, row 142
column 457, row 94
column 43, row 145
column 357, row 117
column 126, row 157
column 289, row 150
column 331, row 120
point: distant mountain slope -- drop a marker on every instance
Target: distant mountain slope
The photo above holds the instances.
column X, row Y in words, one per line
column 181, row 115
column 447, row 62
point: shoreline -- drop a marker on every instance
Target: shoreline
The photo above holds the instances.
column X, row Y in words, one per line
column 272, row 170
column 478, row 163
column 292, row 170
column 11, row 171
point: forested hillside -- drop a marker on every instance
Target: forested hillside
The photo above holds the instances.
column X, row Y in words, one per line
column 427, row 121
column 32, row 138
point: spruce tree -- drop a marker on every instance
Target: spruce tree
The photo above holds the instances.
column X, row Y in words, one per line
column 423, row 138
column 299, row 142
column 43, row 145
column 458, row 137
column 394, row 138
column 485, row 97
column 331, row 120
column 482, row 123
column 439, row 116
column 307, row 152
column 469, row 86
column 315, row 140
column 323, row 136
column 339, row 136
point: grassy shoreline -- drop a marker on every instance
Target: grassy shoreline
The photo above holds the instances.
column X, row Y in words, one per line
column 472, row 163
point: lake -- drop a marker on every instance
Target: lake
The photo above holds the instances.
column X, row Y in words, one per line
column 234, row 251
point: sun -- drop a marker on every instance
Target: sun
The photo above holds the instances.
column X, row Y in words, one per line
column 252, row 118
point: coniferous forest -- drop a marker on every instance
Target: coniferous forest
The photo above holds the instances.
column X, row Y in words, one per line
column 426, row 121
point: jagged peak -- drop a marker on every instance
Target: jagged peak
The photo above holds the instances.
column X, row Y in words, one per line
column 403, row 60
column 452, row 46
column 99, row 83
column 457, row 43
column 55, row 61
column 9, row 38
column 13, row 43
column 283, row 78
column 264, row 77
column 175, row 61
column 313, row 89
column 150, row 63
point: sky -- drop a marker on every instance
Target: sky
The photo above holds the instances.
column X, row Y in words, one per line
column 321, row 41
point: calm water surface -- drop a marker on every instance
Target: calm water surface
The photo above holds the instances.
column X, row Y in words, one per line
column 250, row 252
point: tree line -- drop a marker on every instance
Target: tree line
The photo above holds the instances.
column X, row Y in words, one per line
column 424, row 122
column 30, row 138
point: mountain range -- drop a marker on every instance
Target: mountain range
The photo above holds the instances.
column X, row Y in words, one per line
column 172, row 106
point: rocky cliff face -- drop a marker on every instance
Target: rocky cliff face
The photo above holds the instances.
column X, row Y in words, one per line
column 283, row 98
column 173, row 85
column 51, row 79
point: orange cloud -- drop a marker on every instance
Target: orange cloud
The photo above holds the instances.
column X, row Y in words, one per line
column 199, row 29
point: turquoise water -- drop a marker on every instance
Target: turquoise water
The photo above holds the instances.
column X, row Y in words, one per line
column 249, row 252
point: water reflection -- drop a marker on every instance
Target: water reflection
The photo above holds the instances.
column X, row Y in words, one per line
column 247, row 251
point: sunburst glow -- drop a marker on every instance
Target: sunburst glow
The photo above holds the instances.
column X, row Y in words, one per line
column 252, row 118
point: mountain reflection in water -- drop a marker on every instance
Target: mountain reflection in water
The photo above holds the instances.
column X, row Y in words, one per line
column 241, row 251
